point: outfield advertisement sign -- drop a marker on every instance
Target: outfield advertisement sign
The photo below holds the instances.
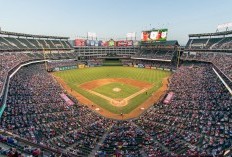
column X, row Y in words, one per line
column 64, row 68
column 124, row 43
column 81, row 66
column 140, row 66
column 67, row 68
column 154, row 35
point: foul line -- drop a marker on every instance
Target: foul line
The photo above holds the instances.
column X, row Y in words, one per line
column 123, row 100
column 223, row 81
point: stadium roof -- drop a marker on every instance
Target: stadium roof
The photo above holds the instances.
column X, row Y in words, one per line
column 211, row 34
column 31, row 35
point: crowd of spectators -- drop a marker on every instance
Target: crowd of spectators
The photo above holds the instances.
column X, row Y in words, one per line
column 12, row 148
column 218, row 43
column 11, row 60
column 8, row 61
column 157, row 54
column 222, row 60
column 227, row 45
column 36, row 112
column 196, row 122
column 156, row 64
column 124, row 139
column 95, row 62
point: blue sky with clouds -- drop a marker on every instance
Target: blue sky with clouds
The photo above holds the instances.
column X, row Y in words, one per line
column 113, row 18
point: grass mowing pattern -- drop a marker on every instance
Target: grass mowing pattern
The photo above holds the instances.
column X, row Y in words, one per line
column 75, row 77
column 112, row 63
column 126, row 90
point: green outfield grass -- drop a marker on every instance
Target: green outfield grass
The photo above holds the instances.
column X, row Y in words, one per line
column 75, row 77
column 107, row 90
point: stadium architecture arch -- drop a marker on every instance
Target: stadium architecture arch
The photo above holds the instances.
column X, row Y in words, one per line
column 89, row 97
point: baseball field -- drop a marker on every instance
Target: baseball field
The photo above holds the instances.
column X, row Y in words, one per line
column 115, row 89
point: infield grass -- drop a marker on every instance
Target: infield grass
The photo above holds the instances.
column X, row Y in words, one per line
column 125, row 90
column 75, row 77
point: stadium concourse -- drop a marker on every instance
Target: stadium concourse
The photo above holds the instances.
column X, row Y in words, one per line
column 194, row 120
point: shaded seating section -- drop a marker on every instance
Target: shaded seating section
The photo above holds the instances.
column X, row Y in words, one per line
column 58, row 44
column 219, row 43
column 156, row 64
column 157, row 54
column 123, row 139
column 198, row 119
column 222, row 60
column 5, row 45
column 12, row 147
column 198, row 43
column 14, row 44
column 35, row 43
column 28, row 44
column 225, row 43
column 212, row 42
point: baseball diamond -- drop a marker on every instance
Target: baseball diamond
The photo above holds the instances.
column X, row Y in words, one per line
column 134, row 86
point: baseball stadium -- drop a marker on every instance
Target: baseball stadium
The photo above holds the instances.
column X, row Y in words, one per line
column 146, row 96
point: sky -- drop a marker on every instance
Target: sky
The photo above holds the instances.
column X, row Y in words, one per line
column 114, row 18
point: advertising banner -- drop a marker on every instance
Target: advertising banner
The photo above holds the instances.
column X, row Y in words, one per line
column 67, row 68
column 154, row 35
column 67, row 100
column 104, row 43
column 92, row 43
column 135, row 43
column 124, row 43
column 140, row 66
column 111, row 43
column 79, row 42
column 88, row 43
column 168, row 98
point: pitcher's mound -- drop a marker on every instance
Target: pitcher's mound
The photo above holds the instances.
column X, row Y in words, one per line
column 116, row 89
